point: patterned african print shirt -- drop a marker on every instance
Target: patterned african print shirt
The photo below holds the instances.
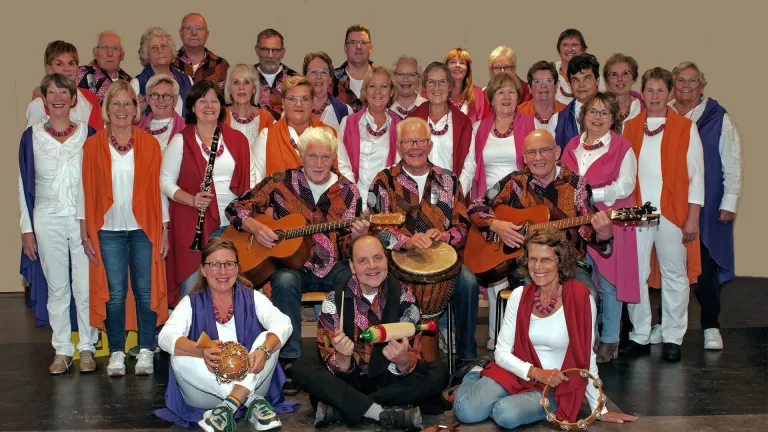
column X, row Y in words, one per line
column 212, row 67
column 97, row 80
column 272, row 96
column 567, row 196
column 441, row 206
column 366, row 314
column 288, row 192
column 341, row 90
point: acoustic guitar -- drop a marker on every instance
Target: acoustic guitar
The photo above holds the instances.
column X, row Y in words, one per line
column 294, row 242
column 488, row 259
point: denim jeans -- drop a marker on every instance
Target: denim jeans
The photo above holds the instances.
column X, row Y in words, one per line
column 122, row 251
column 189, row 282
column 479, row 398
column 610, row 307
column 287, row 287
column 464, row 303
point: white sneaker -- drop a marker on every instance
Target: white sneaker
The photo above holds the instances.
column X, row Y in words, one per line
column 655, row 337
column 261, row 414
column 712, row 339
column 116, row 365
column 144, row 363
column 491, row 345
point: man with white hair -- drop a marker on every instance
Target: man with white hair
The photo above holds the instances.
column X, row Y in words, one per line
column 321, row 195
column 97, row 75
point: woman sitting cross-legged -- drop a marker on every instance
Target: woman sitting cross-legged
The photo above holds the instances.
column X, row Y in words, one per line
column 224, row 306
column 548, row 327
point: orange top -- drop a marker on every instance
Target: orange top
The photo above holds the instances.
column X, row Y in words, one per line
column 147, row 209
column 265, row 118
column 527, row 107
column 281, row 155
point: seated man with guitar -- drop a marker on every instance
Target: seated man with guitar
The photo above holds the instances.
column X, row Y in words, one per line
column 544, row 181
column 431, row 198
column 357, row 377
column 320, row 195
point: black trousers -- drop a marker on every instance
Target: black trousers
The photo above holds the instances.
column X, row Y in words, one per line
column 707, row 290
column 353, row 394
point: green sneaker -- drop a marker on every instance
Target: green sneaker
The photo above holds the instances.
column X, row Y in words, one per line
column 261, row 414
column 219, row 419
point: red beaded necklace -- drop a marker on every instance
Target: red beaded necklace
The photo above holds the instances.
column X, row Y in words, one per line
column 293, row 143
column 594, row 146
column 404, row 112
column 118, row 147
column 321, row 110
column 506, row 134
column 544, row 310
column 541, row 120
column 243, row 120
column 565, row 93
column 206, row 149
column 379, row 133
column 440, row 132
column 227, row 318
column 155, row 132
column 656, row 131
column 56, row 134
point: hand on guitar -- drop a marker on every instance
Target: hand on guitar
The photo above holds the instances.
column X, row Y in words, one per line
column 359, row 228
column 603, row 226
column 419, row 240
column 508, row 232
column 262, row 233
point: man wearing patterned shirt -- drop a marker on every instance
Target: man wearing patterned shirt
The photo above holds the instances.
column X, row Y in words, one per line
column 431, row 199
column 97, row 75
column 194, row 59
column 270, row 50
column 544, row 181
column 320, row 195
column 354, row 379
column 348, row 78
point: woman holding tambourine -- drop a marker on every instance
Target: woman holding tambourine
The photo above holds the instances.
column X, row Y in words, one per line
column 548, row 327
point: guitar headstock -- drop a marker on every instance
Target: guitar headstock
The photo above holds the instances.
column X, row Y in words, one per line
column 635, row 214
column 388, row 219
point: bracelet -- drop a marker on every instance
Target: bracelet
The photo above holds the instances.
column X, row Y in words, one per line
column 266, row 350
column 82, row 243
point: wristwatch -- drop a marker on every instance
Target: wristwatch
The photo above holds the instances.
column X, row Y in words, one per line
column 266, row 350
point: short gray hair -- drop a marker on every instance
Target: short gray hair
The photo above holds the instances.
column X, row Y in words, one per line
column 411, row 59
column 162, row 79
column 322, row 135
column 411, row 120
column 254, row 77
column 144, row 44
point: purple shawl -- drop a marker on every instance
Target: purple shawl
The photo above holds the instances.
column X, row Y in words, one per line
column 351, row 140
column 248, row 329
column 523, row 125
column 178, row 123
column 33, row 270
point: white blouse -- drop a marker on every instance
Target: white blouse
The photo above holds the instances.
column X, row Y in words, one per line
column 620, row 188
column 179, row 108
column 329, row 117
column 57, row 174
column 250, row 130
column 549, row 337
column 259, row 154
column 550, row 126
column 164, row 137
column 499, row 156
column 180, row 321
column 79, row 113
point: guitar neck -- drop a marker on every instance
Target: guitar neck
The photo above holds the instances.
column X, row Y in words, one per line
column 563, row 223
column 323, row 227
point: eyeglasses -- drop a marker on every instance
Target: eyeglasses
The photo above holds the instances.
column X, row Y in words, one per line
column 157, row 96
column 498, row 69
column 297, row 100
column 319, row 72
column 190, row 29
column 123, row 104
column 544, row 152
column 357, row 42
column 624, row 74
column 323, row 158
column 106, row 48
column 572, row 46
column 159, row 48
column 216, row 265
column 595, row 113
column 273, row 51
column 543, row 81
column 421, row 142
column 411, row 75
column 689, row 81
column 437, row 83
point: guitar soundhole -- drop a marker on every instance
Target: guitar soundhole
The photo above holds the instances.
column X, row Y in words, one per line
column 280, row 236
column 509, row 250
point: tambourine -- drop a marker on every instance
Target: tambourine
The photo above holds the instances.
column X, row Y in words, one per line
column 579, row 424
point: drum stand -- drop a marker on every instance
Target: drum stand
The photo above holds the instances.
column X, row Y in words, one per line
column 449, row 318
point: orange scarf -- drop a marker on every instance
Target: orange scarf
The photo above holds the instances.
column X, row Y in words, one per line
column 266, row 118
column 97, row 187
column 527, row 108
column 281, row 155
column 674, row 190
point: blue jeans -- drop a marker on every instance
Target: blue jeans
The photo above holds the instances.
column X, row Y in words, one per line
column 610, row 307
column 287, row 287
column 479, row 398
column 189, row 282
column 122, row 251
column 464, row 303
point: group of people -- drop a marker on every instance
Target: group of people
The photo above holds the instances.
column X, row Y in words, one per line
column 117, row 163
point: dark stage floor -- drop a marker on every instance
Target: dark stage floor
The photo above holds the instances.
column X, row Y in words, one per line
column 706, row 391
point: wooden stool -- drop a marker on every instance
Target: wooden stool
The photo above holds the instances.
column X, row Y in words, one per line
column 102, row 347
column 501, row 299
column 318, row 296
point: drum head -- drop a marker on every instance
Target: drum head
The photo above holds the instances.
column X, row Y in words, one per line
column 436, row 259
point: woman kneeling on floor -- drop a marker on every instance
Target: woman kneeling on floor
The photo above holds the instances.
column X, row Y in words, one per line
column 548, row 326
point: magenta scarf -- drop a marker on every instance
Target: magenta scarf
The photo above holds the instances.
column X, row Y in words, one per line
column 351, row 139
column 523, row 125
column 621, row 267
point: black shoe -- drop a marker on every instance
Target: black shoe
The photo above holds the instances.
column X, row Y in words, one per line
column 635, row 349
column 401, row 418
column 326, row 415
column 463, row 368
column 289, row 388
column 671, row 352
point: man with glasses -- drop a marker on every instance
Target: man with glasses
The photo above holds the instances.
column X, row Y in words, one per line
column 503, row 59
column 584, row 76
column 194, row 59
column 348, row 78
column 97, row 75
column 545, row 181
column 432, row 201
column 270, row 50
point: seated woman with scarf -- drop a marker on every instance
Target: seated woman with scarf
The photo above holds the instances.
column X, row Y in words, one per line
column 224, row 306
column 548, row 327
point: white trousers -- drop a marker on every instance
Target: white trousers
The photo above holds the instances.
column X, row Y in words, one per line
column 58, row 247
column 671, row 252
column 200, row 389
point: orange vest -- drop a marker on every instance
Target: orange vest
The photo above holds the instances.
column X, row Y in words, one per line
column 281, row 155
column 265, row 118
column 147, row 209
column 527, row 108
column 674, row 190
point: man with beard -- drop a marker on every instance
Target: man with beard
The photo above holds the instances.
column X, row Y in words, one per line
column 270, row 49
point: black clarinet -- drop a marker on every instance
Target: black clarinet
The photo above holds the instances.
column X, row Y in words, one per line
column 197, row 242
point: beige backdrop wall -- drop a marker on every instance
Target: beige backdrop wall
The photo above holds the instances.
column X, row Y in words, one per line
column 720, row 36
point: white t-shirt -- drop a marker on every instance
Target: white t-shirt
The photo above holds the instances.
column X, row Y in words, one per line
column 421, row 182
column 319, row 189
column 271, row 77
column 355, row 85
column 499, row 156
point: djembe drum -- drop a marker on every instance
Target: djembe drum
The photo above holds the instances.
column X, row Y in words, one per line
column 234, row 364
column 431, row 273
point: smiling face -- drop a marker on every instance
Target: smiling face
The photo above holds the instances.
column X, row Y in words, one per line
column 505, row 99
column 542, row 164
column 241, row 86
column 437, row 86
column 222, row 280
column 584, row 85
column 358, row 47
column 542, row 265
column 58, row 101
column 318, row 161
column 620, row 79
column 458, row 68
column 379, row 91
column 319, row 75
column 369, row 263
column 161, row 108
column 414, row 158
column 207, row 108
column 121, row 109
column 406, row 78
column 656, row 96
column 502, row 64
column 597, row 124
column 688, row 86
column 298, row 105
column 64, row 64
column 570, row 47
column 541, row 91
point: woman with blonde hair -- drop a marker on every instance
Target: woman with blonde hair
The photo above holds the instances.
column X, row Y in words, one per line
column 465, row 95
column 504, row 60
column 407, row 73
column 162, row 122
